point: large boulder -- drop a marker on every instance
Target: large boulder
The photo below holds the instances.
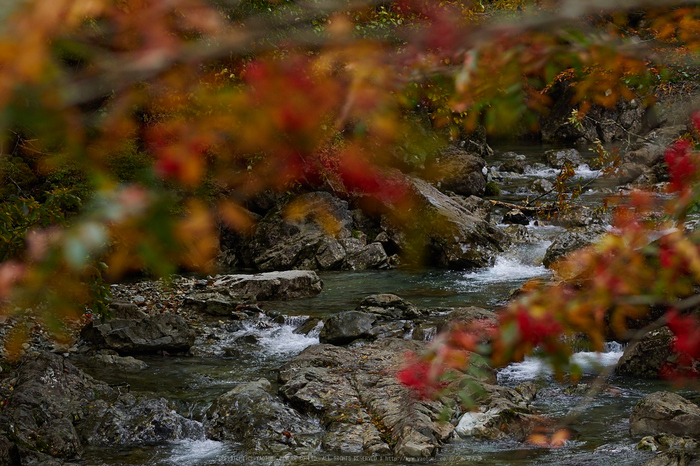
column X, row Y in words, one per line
column 570, row 241
column 251, row 414
column 55, row 409
column 650, row 357
column 387, row 306
column 557, row 158
column 346, row 326
column 458, row 171
column 310, row 232
column 444, row 232
column 618, row 122
column 290, row 284
column 131, row 421
column 152, row 334
column 665, row 412
column 356, row 395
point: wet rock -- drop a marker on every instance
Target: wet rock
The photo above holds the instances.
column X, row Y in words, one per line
column 671, row 458
column 133, row 421
column 424, row 331
column 647, row 357
column 528, row 391
column 388, row 306
column 667, row 413
column 290, row 284
column 162, row 332
column 667, row 442
column 252, row 415
column 647, row 155
column 570, row 241
column 213, row 303
column 513, row 166
column 458, row 171
column 347, row 326
column 118, row 363
column 628, row 172
column 541, row 186
column 516, row 217
column 447, row 234
column 357, row 387
column 308, row 326
column 557, row 158
column 506, row 414
column 49, row 394
column 464, row 316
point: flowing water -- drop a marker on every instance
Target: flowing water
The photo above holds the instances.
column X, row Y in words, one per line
column 242, row 354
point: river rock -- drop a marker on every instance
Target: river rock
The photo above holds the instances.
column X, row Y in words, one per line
column 161, row 332
column 55, row 409
column 607, row 124
column 289, row 284
column 516, row 217
column 667, row 442
column 214, row 303
column 125, row 310
column 132, row 421
column 464, row 316
column 350, row 387
column 507, row 413
column 513, row 166
column 672, row 458
column 667, row 413
column 346, row 326
column 118, row 363
column 541, row 186
column 252, row 415
column 458, row 171
column 647, row 357
column 557, row 158
column 570, row 241
column 309, row 233
column 445, row 233
column 388, row 306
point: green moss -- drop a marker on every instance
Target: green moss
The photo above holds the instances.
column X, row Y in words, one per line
column 492, row 189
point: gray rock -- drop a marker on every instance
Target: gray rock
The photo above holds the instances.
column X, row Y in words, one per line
column 670, row 458
column 371, row 256
column 119, row 363
column 542, row 186
column 447, row 234
column 214, row 303
column 134, row 421
column 571, row 241
column 252, row 415
column 162, row 332
column 507, row 414
column 388, row 306
column 290, row 284
column 649, row 357
column 458, row 171
column 467, row 315
column 347, row 326
column 342, row 386
column 516, row 217
column 557, row 158
column 283, row 242
column 665, row 412
column 125, row 310
column 513, row 166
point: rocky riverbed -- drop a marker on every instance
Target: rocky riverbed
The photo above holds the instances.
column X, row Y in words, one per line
column 295, row 360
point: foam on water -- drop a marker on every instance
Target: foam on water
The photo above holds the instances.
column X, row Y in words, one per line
column 532, row 368
column 281, row 340
column 195, row 451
